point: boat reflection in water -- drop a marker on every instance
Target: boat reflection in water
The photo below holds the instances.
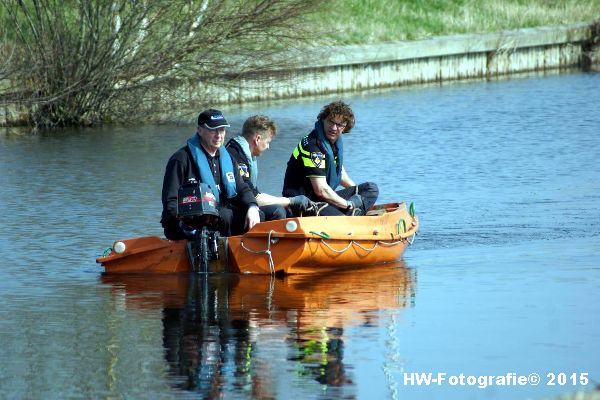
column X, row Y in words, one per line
column 258, row 335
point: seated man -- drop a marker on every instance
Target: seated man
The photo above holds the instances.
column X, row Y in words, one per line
column 257, row 133
column 316, row 166
column 204, row 160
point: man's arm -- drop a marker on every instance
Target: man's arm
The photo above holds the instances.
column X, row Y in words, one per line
column 265, row 199
column 326, row 193
column 173, row 179
column 246, row 197
column 345, row 181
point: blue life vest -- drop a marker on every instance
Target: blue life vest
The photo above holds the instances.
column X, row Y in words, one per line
column 206, row 176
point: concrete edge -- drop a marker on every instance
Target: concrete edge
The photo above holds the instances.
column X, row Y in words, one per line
column 447, row 45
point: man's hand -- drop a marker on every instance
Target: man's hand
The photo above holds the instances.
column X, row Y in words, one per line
column 355, row 202
column 252, row 217
column 300, row 204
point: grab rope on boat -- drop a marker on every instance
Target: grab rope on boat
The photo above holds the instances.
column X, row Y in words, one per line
column 336, row 250
column 352, row 242
column 389, row 243
column 367, row 250
column 267, row 251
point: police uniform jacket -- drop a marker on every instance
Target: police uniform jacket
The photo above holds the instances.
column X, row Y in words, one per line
column 307, row 161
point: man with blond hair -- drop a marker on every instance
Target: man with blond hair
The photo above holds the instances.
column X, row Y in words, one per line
column 257, row 133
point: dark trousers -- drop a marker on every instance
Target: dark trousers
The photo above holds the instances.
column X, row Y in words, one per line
column 272, row 212
column 233, row 220
column 368, row 191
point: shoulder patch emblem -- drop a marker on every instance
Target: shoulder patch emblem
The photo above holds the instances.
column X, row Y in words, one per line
column 317, row 158
column 243, row 168
column 230, row 177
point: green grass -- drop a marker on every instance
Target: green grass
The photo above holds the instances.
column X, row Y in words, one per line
column 376, row 21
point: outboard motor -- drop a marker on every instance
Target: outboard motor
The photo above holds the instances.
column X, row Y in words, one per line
column 197, row 209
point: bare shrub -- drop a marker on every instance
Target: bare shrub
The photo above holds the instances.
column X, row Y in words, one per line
column 82, row 62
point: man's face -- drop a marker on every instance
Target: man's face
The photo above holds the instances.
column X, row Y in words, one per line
column 211, row 139
column 334, row 126
column 263, row 142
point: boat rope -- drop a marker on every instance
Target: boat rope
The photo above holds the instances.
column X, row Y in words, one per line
column 267, row 251
column 357, row 244
column 390, row 243
column 336, row 250
column 106, row 251
column 316, row 207
column 367, row 250
column 270, row 293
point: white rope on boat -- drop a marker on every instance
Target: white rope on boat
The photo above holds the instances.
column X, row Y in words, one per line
column 335, row 250
column 352, row 242
column 267, row 251
column 270, row 293
column 390, row 243
column 377, row 243
column 367, row 250
column 317, row 207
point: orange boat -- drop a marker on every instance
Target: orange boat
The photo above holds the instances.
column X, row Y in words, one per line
column 288, row 246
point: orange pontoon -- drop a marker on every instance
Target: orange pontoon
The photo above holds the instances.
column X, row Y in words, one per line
column 290, row 246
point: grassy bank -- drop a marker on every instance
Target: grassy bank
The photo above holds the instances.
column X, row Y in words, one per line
column 376, row 21
column 161, row 55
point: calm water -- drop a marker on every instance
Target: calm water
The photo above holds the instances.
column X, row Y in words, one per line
column 503, row 278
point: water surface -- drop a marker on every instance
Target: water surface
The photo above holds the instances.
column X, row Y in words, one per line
column 503, row 277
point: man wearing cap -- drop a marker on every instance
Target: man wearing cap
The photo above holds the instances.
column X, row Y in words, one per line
column 204, row 160
column 257, row 133
column 316, row 166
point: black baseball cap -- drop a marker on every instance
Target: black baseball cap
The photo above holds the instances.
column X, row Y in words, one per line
column 212, row 119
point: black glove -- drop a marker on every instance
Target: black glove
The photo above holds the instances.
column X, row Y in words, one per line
column 300, row 204
column 355, row 202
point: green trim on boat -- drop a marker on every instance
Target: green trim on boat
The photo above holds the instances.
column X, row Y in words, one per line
column 324, row 235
